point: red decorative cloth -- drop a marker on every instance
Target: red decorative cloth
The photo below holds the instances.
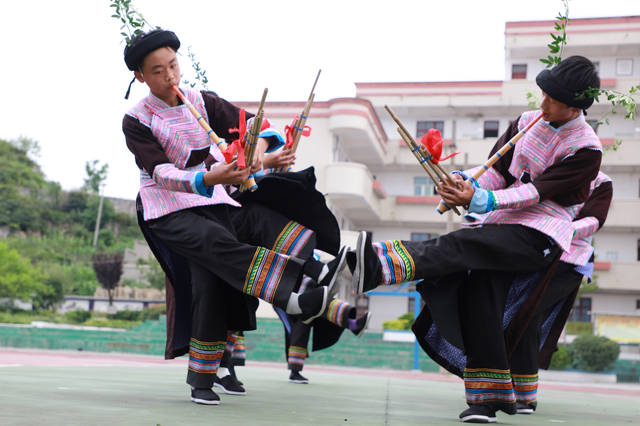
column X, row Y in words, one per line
column 288, row 132
column 432, row 140
column 237, row 146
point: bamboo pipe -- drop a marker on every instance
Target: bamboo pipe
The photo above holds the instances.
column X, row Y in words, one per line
column 251, row 141
column 419, row 157
column 495, row 157
column 423, row 151
column 302, row 120
column 220, row 143
column 426, row 165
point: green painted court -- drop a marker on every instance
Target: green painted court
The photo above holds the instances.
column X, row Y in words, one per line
column 81, row 388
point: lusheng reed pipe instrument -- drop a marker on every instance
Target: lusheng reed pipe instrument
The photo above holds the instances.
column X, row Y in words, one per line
column 298, row 129
column 251, row 141
column 220, row 143
column 495, row 157
column 422, row 155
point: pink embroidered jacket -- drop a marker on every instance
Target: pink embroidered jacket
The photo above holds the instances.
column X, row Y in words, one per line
column 178, row 184
column 540, row 149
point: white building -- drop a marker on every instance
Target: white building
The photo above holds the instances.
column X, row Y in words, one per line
column 373, row 182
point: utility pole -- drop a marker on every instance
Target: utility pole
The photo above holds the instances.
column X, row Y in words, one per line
column 96, row 231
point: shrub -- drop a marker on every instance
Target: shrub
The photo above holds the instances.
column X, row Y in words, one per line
column 594, row 353
column 561, row 359
column 153, row 313
column 406, row 317
column 78, row 316
column 125, row 315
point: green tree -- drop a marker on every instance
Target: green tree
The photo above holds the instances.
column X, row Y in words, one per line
column 96, row 175
column 154, row 274
column 18, row 278
column 595, row 353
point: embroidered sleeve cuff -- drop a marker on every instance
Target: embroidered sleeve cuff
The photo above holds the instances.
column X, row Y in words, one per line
column 201, row 188
column 585, row 227
column 482, row 201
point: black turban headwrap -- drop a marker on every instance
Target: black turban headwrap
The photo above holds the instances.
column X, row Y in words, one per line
column 567, row 81
column 141, row 45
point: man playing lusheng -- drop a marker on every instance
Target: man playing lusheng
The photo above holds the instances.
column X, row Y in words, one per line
column 185, row 210
column 527, row 197
column 532, row 323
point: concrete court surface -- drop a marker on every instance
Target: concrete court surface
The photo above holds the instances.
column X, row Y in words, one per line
column 79, row 388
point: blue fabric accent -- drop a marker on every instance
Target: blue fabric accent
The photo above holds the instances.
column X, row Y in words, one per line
column 481, row 201
column 519, row 290
column 274, row 138
column 455, row 356
column 284, row 317
column 491, row 204
column 204, row 190
column 586, row 270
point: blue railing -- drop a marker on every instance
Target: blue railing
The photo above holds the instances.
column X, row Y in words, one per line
column 416, row 298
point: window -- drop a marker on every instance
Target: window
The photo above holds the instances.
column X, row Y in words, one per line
column 518, row 71
column 424, row 126
column 638, row 254
column 637, row 303
column 338, row 152
column 624, row 66
column 422, row 186
column 421, row 236
column 581, row 310
column 491, row 129
column 596, row 64
column 411, row 305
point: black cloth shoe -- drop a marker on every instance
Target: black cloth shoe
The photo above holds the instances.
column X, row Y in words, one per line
column 313, row 303
column 526, row 408
column 334, row 266
column 478, row 414
column 229, row 385
column 296, row 377
column 204, row 396
column 361, row 324
column 368, row 271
